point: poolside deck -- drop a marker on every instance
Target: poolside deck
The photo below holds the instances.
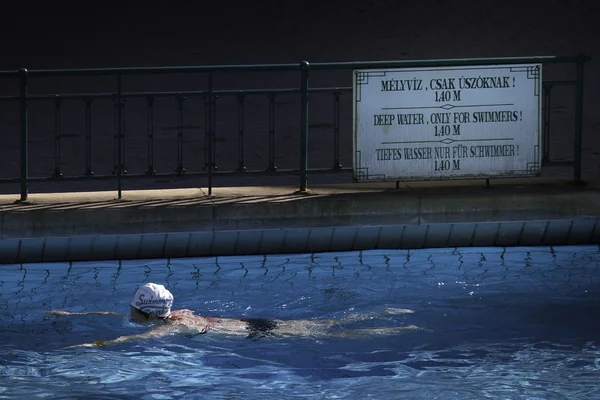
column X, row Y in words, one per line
column 259, row 220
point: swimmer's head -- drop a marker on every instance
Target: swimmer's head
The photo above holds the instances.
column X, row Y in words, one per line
column 152, row 300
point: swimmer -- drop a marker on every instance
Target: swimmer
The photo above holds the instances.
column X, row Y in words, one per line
column 152, row 304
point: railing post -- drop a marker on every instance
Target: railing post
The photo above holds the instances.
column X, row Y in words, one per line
column 210, row 126
column 272, row 166
column 150, row 171
column 241, row 167
column 546, row 125
column 336, row 131
column 180, row 170
column 578, row 120
column 88, row 138
column 24, row 134
column 303, row 125
column 57, row 132
column 119, row 136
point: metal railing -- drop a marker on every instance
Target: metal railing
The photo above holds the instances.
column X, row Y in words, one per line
column 210, row 94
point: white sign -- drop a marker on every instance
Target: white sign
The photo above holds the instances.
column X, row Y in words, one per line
column 450, row 122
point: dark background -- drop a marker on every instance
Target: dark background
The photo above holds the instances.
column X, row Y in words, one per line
column 104, row 34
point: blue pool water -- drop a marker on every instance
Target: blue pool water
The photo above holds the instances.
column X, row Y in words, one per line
column 501, row 323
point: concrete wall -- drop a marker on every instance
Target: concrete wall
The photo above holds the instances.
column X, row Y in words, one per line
column 222, row 226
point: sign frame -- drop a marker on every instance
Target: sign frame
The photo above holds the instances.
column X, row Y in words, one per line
column 516, row 90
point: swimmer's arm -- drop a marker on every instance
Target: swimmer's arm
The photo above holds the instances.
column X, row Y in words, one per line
column 156, row 333
column 67, row 313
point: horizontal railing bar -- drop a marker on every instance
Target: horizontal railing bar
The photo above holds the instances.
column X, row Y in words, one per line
column 296, row 66
column 331, row 89
column 189, row 175
column 174, row 175
column 451, row 62
column 205, row 174
column 71, row 96
column 85, row 96
column 130, row 95
column 165, row 70
column 559, row 83
column 141, row 176
column 555, row 163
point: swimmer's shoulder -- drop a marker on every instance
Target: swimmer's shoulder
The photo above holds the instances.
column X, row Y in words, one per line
column 182, row 312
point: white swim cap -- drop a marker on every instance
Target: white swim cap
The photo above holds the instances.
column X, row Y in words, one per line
column 153, row 299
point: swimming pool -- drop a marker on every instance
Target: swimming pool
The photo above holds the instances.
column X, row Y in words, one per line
column 501, row 323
